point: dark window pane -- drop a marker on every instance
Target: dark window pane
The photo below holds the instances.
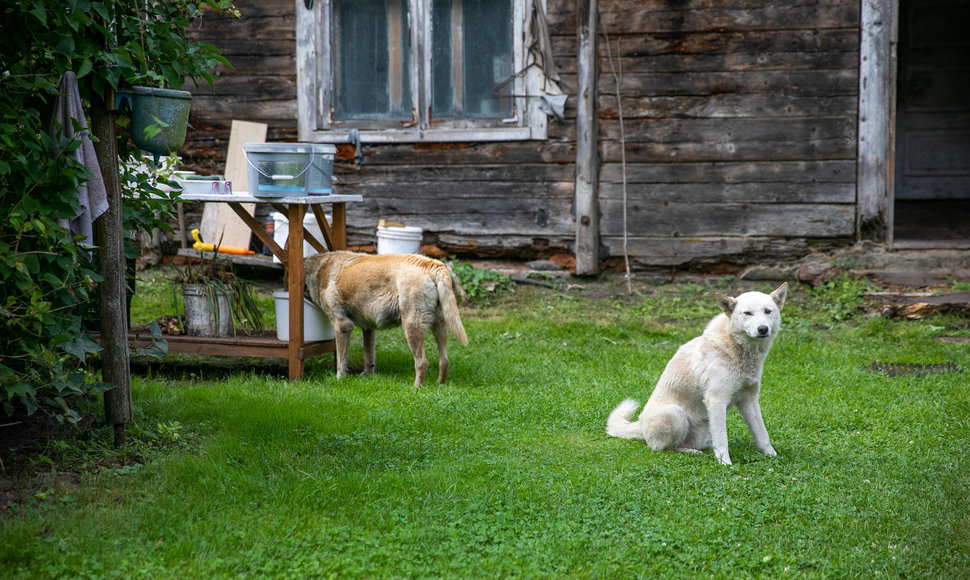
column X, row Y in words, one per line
column 471, row 53
column 370, row 59
column 443, row 86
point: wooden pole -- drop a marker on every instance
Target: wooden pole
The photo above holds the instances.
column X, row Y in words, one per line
column 587, row 156
column 111, row 264
column 877, row 121
column 295, row 283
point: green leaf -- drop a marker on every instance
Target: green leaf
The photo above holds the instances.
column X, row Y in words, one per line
column 80, row 347
column 99, row 387
column 85, row 68
column 65, row 46
column 29, row 404
column 19, row 389
column 101, row 9
column 40, row 13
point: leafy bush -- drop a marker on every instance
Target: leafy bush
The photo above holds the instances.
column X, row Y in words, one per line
column 844, row 299
column 47, row 279
column 479, row 283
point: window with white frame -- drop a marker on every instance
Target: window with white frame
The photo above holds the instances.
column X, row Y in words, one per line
column 420, row 70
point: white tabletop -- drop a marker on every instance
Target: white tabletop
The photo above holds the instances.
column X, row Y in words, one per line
column 244, row 197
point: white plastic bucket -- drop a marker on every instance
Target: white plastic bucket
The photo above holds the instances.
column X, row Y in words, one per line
column 406, row 240
column 281, row 230
column 316, row 325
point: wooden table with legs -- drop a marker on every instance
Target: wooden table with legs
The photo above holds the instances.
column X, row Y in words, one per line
column 295, row 350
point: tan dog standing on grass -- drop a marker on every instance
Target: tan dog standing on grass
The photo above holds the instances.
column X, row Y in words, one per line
column 719, row 369
column 378, row 292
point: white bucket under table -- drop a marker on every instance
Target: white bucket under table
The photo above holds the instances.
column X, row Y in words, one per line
column 316, row 325
column 281, row 231
column 406, row 240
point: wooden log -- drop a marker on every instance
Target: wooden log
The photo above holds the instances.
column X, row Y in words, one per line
column 418, row 177
column 295, row 287
column 738, row 16
column 675, row 51
column 538, row 217
column 727, row 106
column 479, row 193
column 111, row 264
column 676, row 220
column 665, row 252
column 587, row 141
column 786, row 193
column 919, row 305
column 734, row 140
column 802, row 83
column 877, row 120
column 489, row 245
column 757, row 182
column 730, row 172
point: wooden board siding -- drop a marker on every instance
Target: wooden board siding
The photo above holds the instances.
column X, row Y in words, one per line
column 260, row 86
column 740, row 119
column 476, row 200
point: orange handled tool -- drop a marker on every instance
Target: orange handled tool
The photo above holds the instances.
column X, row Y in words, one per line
column 204, row 247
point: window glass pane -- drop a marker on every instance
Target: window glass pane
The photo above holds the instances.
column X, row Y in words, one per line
column 471, row 53
column 443, row 101
column 370, row 60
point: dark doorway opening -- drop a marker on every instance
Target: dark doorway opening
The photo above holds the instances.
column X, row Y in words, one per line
column 932, row 181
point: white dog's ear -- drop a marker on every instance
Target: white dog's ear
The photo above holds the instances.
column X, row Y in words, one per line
column 726, row 303
column 779, row 295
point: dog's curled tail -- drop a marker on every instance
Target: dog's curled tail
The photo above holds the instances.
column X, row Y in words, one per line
column 618, row 424
column 449, row 306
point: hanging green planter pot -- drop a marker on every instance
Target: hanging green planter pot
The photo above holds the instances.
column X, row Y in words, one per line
column 158, row 117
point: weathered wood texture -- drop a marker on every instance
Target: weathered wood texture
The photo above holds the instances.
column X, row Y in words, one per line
column 260, row 86
column 116, row 369
column 587, row 246
column 740, row 119
column 877, row 100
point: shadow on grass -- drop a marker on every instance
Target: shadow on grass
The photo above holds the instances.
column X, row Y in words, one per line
column 206, row 368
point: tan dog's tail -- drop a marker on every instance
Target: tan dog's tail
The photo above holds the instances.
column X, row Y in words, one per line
column 449, row 306
column 456, row 286
column 618, row 424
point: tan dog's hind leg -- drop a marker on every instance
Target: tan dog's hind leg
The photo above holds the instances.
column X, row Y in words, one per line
column 414, row 333
column 370, row 350
column 666, row 427
column 440, row 330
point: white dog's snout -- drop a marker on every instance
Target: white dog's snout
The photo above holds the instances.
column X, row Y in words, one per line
column 758, row 328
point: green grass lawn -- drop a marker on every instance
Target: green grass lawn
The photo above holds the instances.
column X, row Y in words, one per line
column 506, row 470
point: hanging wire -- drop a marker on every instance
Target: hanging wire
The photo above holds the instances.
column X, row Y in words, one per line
column 617, row 76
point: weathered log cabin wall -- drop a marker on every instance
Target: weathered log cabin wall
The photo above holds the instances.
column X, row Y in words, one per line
column 260, row 86
column 740, row 121
column 472, row 199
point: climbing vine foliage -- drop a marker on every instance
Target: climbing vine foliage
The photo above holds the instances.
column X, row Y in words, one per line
column 48, row 280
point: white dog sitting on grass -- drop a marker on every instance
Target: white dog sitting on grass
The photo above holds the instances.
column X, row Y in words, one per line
column 720, row 368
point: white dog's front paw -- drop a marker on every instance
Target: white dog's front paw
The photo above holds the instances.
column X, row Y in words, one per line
column 769, row 450
column 723, row 456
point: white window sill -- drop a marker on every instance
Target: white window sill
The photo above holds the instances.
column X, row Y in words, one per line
column 429, row 136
